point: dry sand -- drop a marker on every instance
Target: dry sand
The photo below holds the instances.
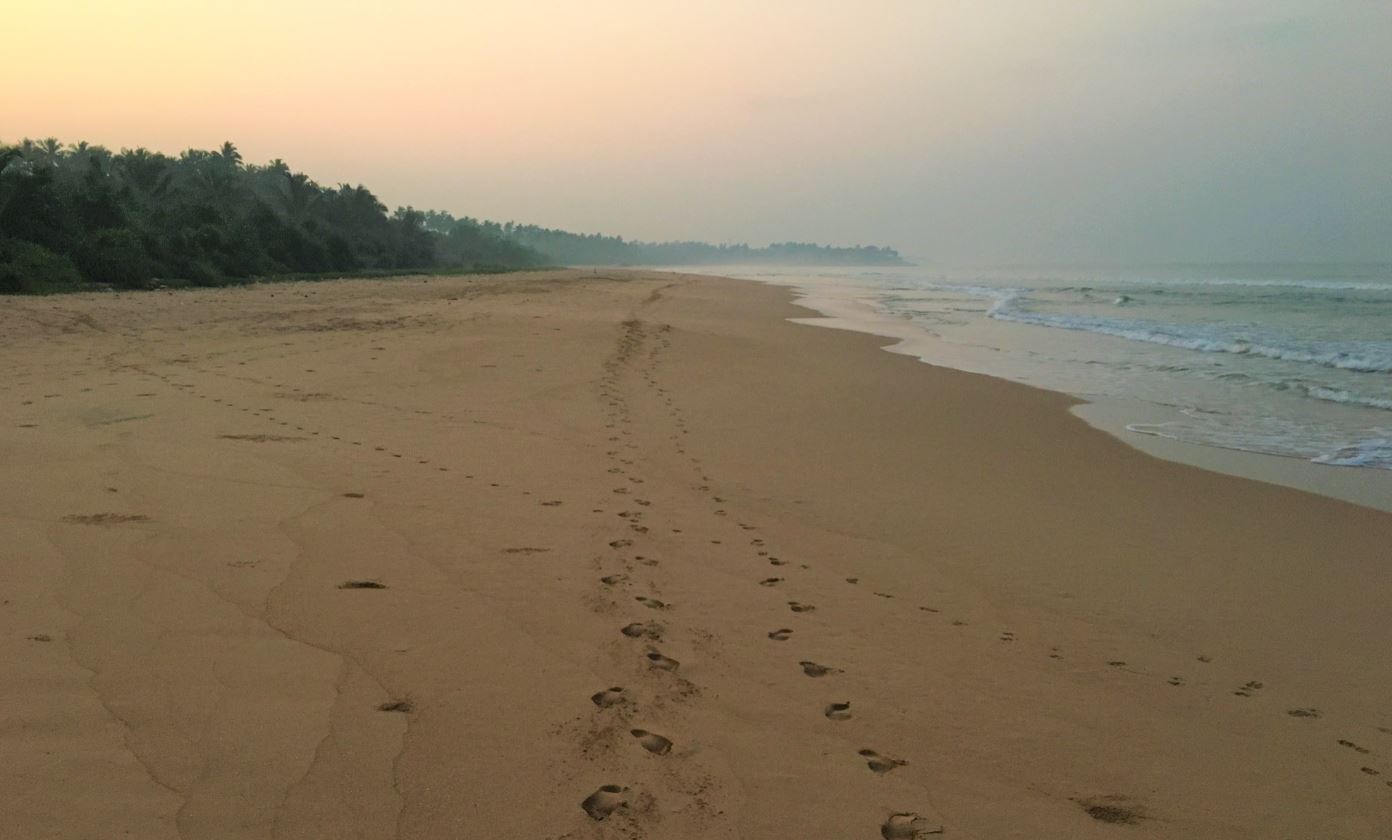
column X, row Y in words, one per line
column 360, row 560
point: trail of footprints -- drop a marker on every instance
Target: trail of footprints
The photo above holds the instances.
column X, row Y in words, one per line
column 899, row 826
column 612, row 798
column 287, row 392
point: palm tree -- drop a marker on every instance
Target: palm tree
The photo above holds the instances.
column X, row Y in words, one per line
column 230, row 154
column 300, row 194
column 50, row 150
column 149, row 172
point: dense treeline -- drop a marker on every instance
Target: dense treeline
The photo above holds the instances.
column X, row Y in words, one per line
column 597, row 249
column 81, row 215
column 77, row 215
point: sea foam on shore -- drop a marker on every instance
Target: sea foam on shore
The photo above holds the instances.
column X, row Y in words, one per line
column 1289, row 361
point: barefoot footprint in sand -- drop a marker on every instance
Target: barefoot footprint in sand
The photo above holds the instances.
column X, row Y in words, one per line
column 838, row 711
column 608, row 697
column 907, row 826
column 665, row 663
column 880, row 763
column 643, row 629
column 604, row 801
column 652, row 742
column 812, row 669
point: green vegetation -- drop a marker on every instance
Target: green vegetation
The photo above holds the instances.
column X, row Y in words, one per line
column 567, row 248
column 82, row 216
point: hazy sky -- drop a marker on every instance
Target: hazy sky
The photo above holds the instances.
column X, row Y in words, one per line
column 957, row 130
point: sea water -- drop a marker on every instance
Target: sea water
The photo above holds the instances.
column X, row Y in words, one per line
column 1292, row 361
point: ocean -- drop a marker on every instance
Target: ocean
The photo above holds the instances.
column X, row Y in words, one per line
column 1290, row 361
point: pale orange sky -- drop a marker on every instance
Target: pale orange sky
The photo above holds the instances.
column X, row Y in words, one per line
column 978, row 129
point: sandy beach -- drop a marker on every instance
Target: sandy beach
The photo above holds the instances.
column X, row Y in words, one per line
column 628, row 555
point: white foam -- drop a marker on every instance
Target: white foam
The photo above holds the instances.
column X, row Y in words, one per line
column 1333, row 376
column 1368, row 453
column 1338, row 395
column 1273, row 437
column 1358, row 356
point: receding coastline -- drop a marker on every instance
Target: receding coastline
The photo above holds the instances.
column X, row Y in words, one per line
column 362, row 558
column 1371, row 487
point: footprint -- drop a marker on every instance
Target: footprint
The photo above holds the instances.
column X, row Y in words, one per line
column 352, row 495
column 404, row 705
column 652, row 742
column 604, row 801
column 643, row 629
column 105, row 518
column 797, row 607
column 907, row 826
column 1304, row 713
column 880, row 763
column 665, row 663
column 1179, row 681
column 608, row 697
column 780, row 635
column 853, row 580
column 1248, row 688
column 610, row 580
column 621, row 543
column 1351, row 745
column 1112, row 809
column 812, row 669
column 838, row 711
column 652, row 603
column 773, row 581
column 361, row 584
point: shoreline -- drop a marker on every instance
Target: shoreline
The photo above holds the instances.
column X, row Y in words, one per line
column 1368, row 487
column 375, row 558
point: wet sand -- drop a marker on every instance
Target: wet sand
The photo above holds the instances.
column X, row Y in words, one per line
column 587, row 555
